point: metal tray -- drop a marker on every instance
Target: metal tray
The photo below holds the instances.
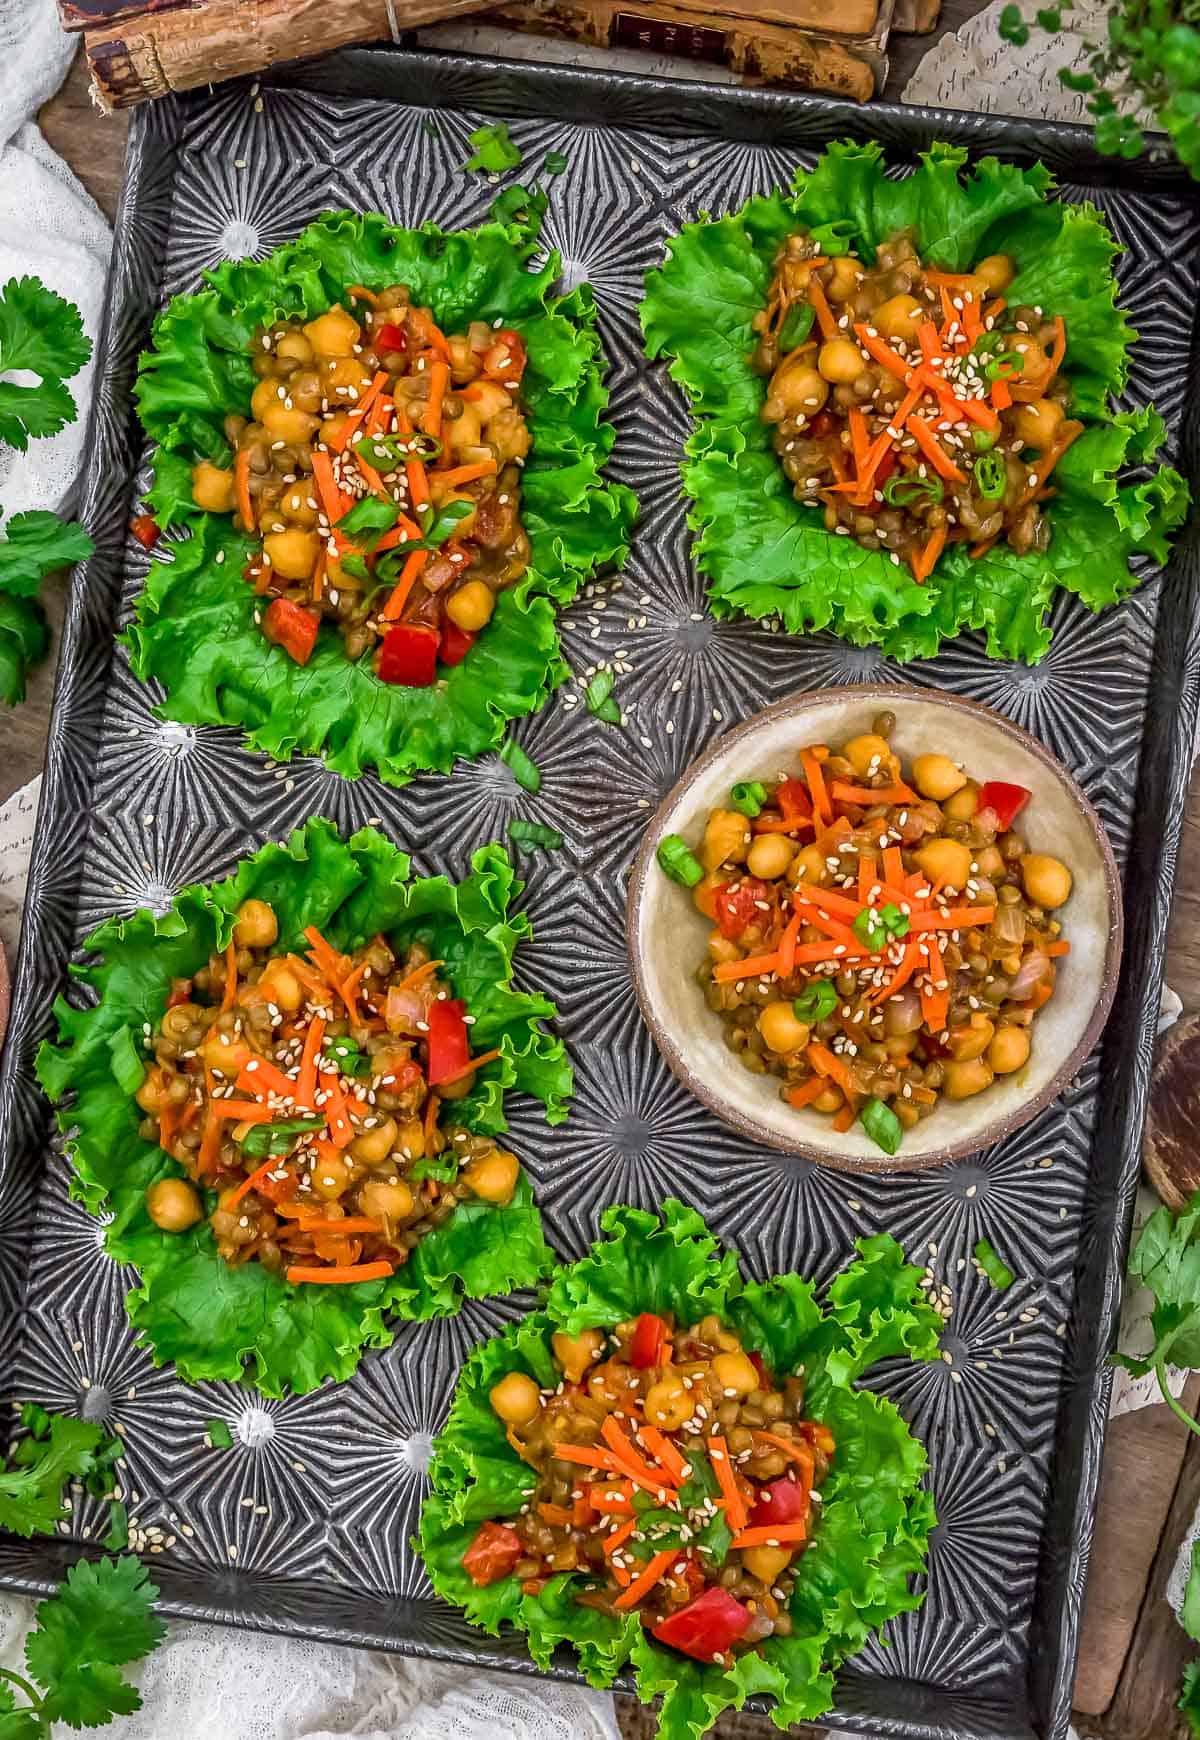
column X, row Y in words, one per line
column 304, row 1525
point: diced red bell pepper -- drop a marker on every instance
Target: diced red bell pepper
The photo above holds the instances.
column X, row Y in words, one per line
column 707, row 1627
column 456, row 643
column 492, row 1554
column 291, row 627
column 737, row 903
column 781, row 1501
column 821, row 425
column 449, row 1040
column 279, row 1189
column 1004, row 800
column 390, row 337
column 181, row 992
column 408, row 656
column 504, row 360
column 145, row 529
column 649, row 1340
column 760, row 1366
column 795, row 805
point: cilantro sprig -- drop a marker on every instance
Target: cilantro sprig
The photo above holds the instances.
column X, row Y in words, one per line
column 1166, row 1259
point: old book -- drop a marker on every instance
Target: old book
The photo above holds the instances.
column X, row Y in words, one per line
column 171, row 47
column 756, row 47
column 916, row 17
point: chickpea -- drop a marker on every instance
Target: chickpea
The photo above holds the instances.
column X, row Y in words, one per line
column 963, row 804
column 735, row 1371
column 255, row 926
column 154, row 1092
column 766, row 1563
column 333, row 334
column 1046, row 881
column 225, row 1052
column 294, row 347
column 493, row 1177
column 516, row 1398
column 769, row 856
column 937, row 777
column 781, row 1029
column 299, row 504
column 995, row 273
column 1037, row 423
column 284, row 423
column 722, row 948
column 463, row 431
column 487, row 399
column 266, row 393
column 945, row 861
column 178, row 1020
column 869, row 754
column 809, row 866
column 410, row 1139
column 964, row 1079
column 471, row 605
column 174, row 1205
column 840, row 360
column 576, row 1353
column 844, row 279
column 990, row 861
column 385, row 1200
column 508, row 433
column 796, row 390
column 212, row 488
column 282, row 987
column 331, row 1178
column 344, row 371
column 898, row 317
column 1009, row 1050
column 726, row 839
column 292, row 554
column 973, row 1039
column 376, row 1144
column 667, row 1403
column 305, row 391
column 828, row 1100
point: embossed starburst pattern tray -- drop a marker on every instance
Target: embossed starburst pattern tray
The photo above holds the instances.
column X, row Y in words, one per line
column 304, row 1525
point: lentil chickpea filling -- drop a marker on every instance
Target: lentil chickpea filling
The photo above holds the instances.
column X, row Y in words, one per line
column 916, row 408
column 674, row 1471
column 380, row 470
column 308, row 1094
column 882, row 940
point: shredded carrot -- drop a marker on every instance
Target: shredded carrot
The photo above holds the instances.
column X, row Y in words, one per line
column 735, row 1504
column 402, row 532
column 909, row 963
column 241, row 478
column 925, row 559
column 255, row 1179
column 243, row 1112
column 613, row 1499
column 465, row 473
column 334, row 503
column 350, row 1223
column 935, row 996
column 616, row 1537
column 642, row 1585
column 951, row 280
column 341, row 1276
column 982, row 548
column 409, row 575
column 833, row 927
column 825, row 320
column 1055, row 949
column 1066, row 434
column 866, row 877
column 375, row 483
column 230, row 995
column 348, row 989
column 933, row 450
column 860, row 444
column 429, row 1124
column 799, row 1452
column 325, row 956
column 893, row 864
column 954, row 918
column 439, row 380
column 831, row 898
column 869, row 795
column 585, row 1457
column 843, row 1119
column 787, row 944
column 318, row 573
column 210, row 1140
column 170, row 1122
column 827, row 1062
column 927, row 337
column 808, row 953
column 807, row 1092
column 977, row 411
column 306, row 1082
column 752, row 967
column 472, row 1066
column 882, row 352
column 626, row 1453
column 417, row 974
column 337, row 1112
column 768, row 1534
column 1041, row 994
column 822, row 808
column 662, row 1449
column 418, row 480
column 366, row 401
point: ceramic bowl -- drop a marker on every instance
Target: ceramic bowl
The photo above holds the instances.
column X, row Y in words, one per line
column 667, row 935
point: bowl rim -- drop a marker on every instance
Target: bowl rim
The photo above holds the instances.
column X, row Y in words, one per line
column 857, row 694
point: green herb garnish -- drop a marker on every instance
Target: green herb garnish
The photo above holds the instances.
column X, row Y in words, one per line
column 219, row 1435
column 129, row 1070
column 598, row 698
column 882, row 1125
column 371, row 516
column 797, row 324
column 524, row 771
column 526, row 833
column 991, row 476
column 817, row 1001
column 265, row 1139
column 494, row 150
column 910, row 490
column 554, row 163
column 749, row 796
column 678, row 862
column 993, row 1266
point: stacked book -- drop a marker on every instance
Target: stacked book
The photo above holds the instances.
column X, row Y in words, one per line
column 139, row 49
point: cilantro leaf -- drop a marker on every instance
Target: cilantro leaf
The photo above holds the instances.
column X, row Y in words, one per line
column 31, row 1500
column 33, row 545
column 1166, row 1259
column 494, row 150
column 42, row 334
column 1189, row 1613
column 1189, row 1697
column 101, row 1619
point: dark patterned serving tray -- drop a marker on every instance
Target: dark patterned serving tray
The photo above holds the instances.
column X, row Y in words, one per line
column 304, row 1525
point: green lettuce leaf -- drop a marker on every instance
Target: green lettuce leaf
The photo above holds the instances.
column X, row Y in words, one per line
column 195, row 629
column 766, row 555
column 872, row 1533
column 215, row 1321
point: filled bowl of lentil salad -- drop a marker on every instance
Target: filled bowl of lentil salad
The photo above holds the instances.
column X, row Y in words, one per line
column 674, row 1469
column 969, row 965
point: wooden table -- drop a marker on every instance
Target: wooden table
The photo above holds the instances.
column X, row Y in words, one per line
column 1133, row 1651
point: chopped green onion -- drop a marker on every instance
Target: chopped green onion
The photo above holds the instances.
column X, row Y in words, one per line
column 870, row 929
column 749, row 796
column 991, row 476
column 908, row 491
column 675, row 858
column 265, row 1139
column 523, row 833
column 523, row 770
column 349, row 1057
column 129, row 1072
column 882, row 1125
column 983, row 440
column 895, row 922
column 815, row 1002
column 554, row 162
column 797, row 324
column 371, row 514
column 993, row 1266
column 383, row 452
column 219, row 1435
column 597, row 698
column 117, row 1538
column 1004, row 365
